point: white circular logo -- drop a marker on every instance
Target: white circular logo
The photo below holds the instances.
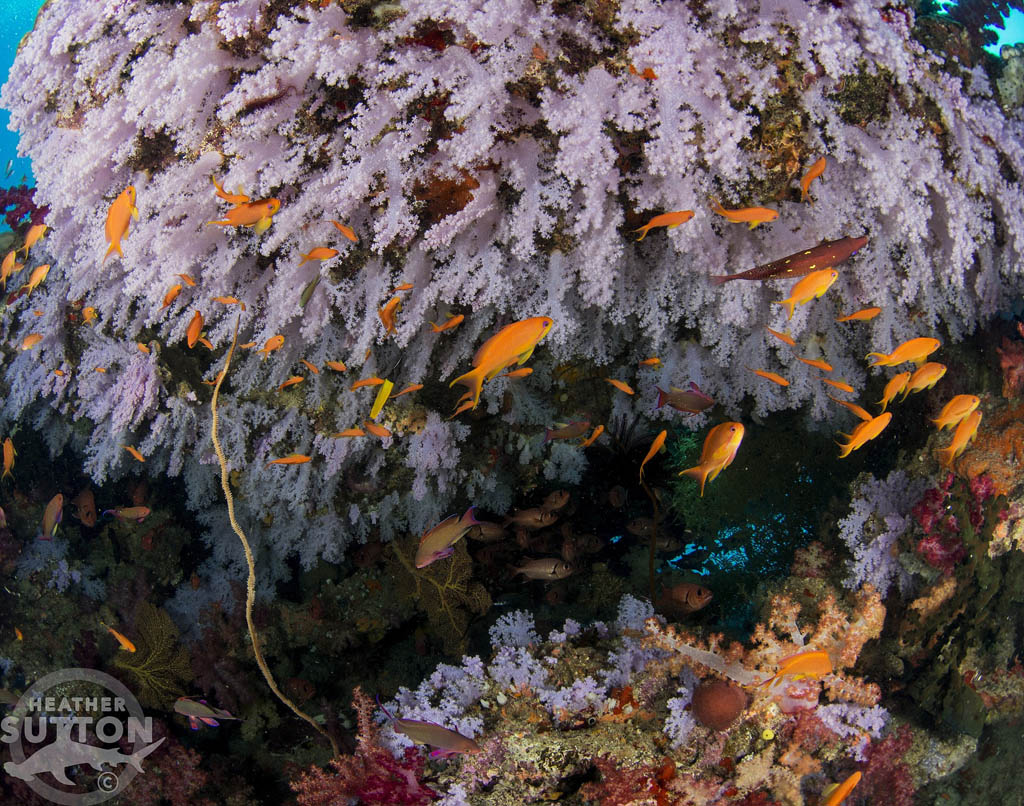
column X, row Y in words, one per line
column 77, row 719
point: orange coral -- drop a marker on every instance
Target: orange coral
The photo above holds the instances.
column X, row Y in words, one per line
column 998, row 449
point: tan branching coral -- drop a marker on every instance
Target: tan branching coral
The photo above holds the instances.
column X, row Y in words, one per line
column 444, row 590
column 160, row 666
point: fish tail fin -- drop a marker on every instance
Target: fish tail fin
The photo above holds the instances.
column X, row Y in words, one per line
column 643, row 230
column 719, row 279
column 305, row 259
column 699, row 473
column 845, row 449
column 880, row 362
column 469, row 517
column 115, row 246
column 946, row 456
column 662, row 397
column 474, row 381
column 789, row 305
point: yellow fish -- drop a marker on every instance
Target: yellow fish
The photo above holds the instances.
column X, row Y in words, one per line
column 863, row 315
column 319, row 253
column 9, row 267
column 337, row 366
column 747, row 215
column 35, row 232
column 31, row 340
column 376, row 430
column 863, row 414
column 134, row 452
column 88, row 315
column 667, row 220
column 236, row 199
column 9, row 454
column 598, row 430
column 720, row 447
column 865, row 431
column 348, row 232
column 387, row 313
column 273, row 343
column 381, row 399
column 294, row 379
column 916, row 350
column 513, row 344
column 824, row 366
column 955, row 410
column 122, row 211
column 965, row 432
column 258, row 215
column 813, row 173
column 896, row 384
column 38, row 275
column 622, row 386
column 771, row 376
column 810, row 287
column 195, row 327
column 805, row 664
column 655, row 447
column 925, row 377
column 451, row 322
column 125, row 644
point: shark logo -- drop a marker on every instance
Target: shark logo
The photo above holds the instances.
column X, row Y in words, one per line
column 63, row 753
column 91, row 730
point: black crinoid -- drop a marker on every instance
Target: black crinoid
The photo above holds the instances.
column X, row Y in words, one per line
column 627, row 433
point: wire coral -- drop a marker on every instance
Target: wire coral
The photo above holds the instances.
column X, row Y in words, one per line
column 371, row 775
column 444, row 590
column 250, row 587
column 160, row 665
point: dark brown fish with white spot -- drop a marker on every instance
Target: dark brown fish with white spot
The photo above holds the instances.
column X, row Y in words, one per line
column 533, row 518
column 547, row 568
column 684, row 597
column 555, row 501
column 823, row 256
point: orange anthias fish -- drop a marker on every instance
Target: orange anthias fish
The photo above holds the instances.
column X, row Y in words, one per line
column 896, row 384
column 258, row 215
column 451, row 322
column 36, row 277
column 655, row 447
column 835, row 794
column 720, row 447
column 653, row 361
column 134, row 452
column 785, row 338
column 52, row 516
column 337, row 366
column 294, row 379
column 916, row 350
column 955, row 410
column 513, row 344
column 598, row 430
column 230, row 198
column 195, row 327
column 9, row 267
column 805, row 664
column 437, row 543
column 412, row 387
column 826, row 255
column 522, row 372
column 771, row 376
column 227, row 301
column 319, row 253
column 121, row 211
column 667, row 220
column 9, row 454
column 965, row 432
column 810, row 287
column 387, row 314
column 122, row 640
column 371, row 381
column 349, row 432
column 747, row 215
column 376, row 430
column 842, row 386
column 31, row 340
column 310, row 366
column 864, row 432
column 817, row 363
column 290, row 459
column 813, row 173
column 446, row 742
column 863, row 414
column 171, row 295
column 273, row 343
column 348, row 232
column 404, row 287
column 187, row 280
column 35, row 232
column 622, row 386
column 924, row 377
column 863, row 315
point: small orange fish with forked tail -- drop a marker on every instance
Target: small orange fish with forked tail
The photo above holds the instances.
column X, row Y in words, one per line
column 720, row 447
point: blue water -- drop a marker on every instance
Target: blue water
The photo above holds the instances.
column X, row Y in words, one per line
column 18, row 17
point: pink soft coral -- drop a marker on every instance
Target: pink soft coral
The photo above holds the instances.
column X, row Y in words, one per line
column 371, row 774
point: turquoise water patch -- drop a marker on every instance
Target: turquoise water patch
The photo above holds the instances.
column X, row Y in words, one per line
column 18, row 17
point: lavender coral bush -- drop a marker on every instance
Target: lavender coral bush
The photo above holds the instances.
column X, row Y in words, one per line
column 497, row 155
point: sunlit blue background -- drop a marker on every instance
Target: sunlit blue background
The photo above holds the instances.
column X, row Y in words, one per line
column 19, row 15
